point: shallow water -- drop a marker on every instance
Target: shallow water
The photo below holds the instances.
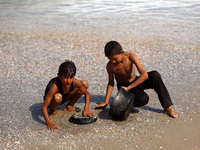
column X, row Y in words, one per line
column 171, row 21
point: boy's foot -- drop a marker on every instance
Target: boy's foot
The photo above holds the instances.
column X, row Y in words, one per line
column 170, row 112
column 53, row 112
column 71, row 108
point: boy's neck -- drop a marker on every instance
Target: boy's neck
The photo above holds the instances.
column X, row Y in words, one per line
column 122, row 58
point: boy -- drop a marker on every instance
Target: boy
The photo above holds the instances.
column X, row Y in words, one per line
column 62, row 89
column 121, row 66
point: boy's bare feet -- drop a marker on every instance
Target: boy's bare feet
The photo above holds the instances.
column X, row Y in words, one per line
column 170, row 112
column 53, row 112
column 69, row 108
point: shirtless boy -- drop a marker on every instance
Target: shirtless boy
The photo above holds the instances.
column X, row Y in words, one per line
column 64, row 88
column 121, row 66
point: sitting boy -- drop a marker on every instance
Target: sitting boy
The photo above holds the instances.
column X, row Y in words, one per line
column 121, row 66
column 62, row 89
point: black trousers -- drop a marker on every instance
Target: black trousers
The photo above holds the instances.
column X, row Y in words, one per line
column 153, row 82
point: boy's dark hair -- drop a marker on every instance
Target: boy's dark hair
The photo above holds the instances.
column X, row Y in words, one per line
column 67, row 68
column 112, row 48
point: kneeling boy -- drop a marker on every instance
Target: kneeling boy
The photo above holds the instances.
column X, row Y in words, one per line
column 121, row 66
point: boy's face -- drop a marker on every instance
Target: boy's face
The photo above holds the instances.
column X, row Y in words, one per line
column 66, row 80
column 115, row 58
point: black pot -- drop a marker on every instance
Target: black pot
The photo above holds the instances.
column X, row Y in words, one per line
column 79, row 118
column 122, row 104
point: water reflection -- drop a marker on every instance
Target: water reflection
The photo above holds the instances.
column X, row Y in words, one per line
column 154, row 18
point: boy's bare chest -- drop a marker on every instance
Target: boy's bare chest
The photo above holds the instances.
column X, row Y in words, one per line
column 66, row 89
column 123, row 69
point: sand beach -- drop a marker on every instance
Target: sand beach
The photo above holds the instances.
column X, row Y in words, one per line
column 32, row 50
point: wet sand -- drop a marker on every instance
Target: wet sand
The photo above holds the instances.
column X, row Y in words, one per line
column 29, row 61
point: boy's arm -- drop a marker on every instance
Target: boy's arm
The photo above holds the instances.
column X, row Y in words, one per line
column 86, row 110
column 143, row 74
column 108, row 90
column 45, row 104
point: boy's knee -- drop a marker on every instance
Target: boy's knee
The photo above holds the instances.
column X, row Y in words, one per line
column 84, row 83
column 155, row 74
column 144, row 99
column 58, row 97
column 141, row 99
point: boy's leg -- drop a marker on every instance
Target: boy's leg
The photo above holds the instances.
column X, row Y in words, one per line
column 141, row 97
column 74, row 96
column 56, row 101
column 155, row 82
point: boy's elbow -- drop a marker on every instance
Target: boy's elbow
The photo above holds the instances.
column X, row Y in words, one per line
column 43, row 108
column 146, row 76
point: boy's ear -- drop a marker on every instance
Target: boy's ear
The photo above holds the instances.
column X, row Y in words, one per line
column 58, row 75
column 122, row 52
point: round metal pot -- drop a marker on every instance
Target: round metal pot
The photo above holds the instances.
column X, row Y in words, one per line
column 122, row 105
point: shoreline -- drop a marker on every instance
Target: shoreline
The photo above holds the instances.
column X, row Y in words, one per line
column 164, row 38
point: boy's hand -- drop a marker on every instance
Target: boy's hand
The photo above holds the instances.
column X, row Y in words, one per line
column 102, row 105
column 125, row 88
column 88, row 113
column 52, row 127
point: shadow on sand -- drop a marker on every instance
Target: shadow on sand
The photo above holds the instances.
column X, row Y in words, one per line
column 97, row 99
column 37, row 113
column 152, row 109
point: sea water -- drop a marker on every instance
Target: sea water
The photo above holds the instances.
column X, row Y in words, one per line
column 169, row 20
